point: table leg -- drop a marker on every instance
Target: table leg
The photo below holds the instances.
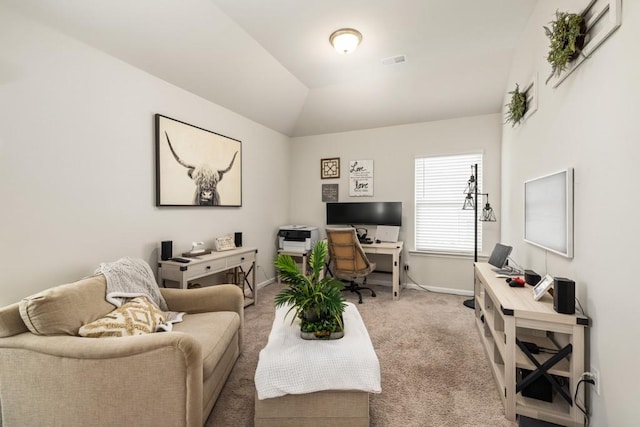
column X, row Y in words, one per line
column 395, row 277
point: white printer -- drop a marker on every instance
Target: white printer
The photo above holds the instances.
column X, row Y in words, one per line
column 297, row 238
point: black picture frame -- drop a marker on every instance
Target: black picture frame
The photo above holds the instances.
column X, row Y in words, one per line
column 196, row 166
column 330, row 168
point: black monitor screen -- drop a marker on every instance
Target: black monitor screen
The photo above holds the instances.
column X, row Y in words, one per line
column 499, row 255
column 365, row 213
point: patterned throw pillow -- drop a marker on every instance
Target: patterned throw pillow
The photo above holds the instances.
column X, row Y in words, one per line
column 137, row 317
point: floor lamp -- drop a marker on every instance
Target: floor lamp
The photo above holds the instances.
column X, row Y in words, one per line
column 471, row 202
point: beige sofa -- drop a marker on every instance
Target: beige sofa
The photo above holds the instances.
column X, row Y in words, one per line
column 51, row 376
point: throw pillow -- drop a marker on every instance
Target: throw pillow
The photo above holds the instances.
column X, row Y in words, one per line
column 136, row 317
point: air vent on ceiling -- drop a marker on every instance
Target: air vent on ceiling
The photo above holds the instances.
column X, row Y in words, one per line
column 393, row 60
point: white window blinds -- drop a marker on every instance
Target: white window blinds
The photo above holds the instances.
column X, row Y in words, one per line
column 441, row 224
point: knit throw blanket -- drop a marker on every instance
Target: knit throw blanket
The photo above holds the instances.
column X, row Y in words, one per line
column 131, row 277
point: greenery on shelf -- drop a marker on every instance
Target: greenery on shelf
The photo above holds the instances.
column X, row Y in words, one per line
column 317, row 301
column 517, row 107
column 567, row 38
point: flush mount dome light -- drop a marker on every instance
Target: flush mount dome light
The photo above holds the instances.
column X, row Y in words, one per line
column 345, row 40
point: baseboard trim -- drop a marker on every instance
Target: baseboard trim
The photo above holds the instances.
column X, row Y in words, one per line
column 437, row 289
column 440, row 290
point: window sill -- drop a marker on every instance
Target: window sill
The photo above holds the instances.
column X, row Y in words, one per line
column 454, row 255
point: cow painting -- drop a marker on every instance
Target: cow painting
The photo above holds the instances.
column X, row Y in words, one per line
column 205, row 178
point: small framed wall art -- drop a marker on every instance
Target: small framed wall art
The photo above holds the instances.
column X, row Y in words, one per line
column 330, row 168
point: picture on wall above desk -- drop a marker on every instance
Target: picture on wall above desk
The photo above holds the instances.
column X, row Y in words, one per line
column 195, row 166
column 361, row 178
column 330, row 168
column 329, row 192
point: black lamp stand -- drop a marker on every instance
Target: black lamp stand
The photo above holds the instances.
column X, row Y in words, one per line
column 489, row 217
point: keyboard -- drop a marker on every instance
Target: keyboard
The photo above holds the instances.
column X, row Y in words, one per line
column 507, row 272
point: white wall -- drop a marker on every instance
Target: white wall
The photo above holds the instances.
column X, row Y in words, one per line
column 77, row 164
column 590, row 122
column 393, row 151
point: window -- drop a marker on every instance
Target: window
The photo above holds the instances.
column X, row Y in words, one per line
column 441, row 224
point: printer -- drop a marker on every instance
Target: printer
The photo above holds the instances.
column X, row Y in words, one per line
column 297, row 238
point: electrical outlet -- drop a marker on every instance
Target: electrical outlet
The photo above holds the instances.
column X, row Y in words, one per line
column 406, row 267
column 595, row 374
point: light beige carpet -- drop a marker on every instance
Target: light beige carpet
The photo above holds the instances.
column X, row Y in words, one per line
column 434, row 371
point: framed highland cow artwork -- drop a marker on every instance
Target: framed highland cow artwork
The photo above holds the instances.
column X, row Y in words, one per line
column 195, row 166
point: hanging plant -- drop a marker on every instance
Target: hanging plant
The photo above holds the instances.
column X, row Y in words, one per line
column 567, row 40
column 517, row 107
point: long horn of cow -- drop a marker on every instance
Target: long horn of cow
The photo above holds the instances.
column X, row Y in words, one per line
column 222, row 172
column 186, row 165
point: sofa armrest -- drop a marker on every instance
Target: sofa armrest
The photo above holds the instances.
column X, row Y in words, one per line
column 69, row 380
column 204, row 300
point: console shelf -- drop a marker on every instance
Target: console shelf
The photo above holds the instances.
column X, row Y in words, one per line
column 504, row 315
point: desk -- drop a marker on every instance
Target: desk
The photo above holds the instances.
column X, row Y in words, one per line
column 210, row 264
column 395, row 251
column 506, row 317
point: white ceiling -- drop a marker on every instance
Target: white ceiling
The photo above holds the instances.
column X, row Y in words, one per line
column 271, row 61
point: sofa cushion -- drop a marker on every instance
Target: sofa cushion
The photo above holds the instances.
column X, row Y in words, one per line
column 64, row 309
column 136, row 317
column 214, row 331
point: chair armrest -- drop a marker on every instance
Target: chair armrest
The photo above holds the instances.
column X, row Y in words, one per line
column 69, row 380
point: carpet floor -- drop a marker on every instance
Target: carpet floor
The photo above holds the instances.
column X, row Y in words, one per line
column 434, row 371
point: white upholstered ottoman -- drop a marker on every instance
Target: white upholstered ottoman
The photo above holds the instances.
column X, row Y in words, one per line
column 316, row 383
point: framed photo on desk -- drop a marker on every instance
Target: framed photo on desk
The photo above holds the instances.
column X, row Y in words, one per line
column 542, row 287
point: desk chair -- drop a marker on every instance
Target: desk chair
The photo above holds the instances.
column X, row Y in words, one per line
column 348, row 259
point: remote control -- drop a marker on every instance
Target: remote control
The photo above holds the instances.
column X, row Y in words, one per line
column 182, row 260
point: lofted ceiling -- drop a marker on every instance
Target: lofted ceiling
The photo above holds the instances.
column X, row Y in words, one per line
column 271, row 61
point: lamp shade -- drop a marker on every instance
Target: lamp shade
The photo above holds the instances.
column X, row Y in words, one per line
column 487, row 214
column 345, row 40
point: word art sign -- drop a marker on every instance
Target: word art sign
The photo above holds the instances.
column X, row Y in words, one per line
column 361, row 178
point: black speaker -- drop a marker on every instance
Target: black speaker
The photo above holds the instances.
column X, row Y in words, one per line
column 237, row 237
column 166, row 251
column 531, row 277
column 564, row 295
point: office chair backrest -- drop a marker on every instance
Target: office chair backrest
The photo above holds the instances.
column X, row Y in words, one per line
column 345, row 252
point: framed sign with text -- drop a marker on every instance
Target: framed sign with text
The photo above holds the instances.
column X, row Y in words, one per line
column 361, row 178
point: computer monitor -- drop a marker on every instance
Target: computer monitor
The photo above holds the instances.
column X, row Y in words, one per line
column 500, row 255
column 364, row 213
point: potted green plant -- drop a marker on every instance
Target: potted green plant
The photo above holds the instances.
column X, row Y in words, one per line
column 517, row 107
column 316, row 300
column 566, row 35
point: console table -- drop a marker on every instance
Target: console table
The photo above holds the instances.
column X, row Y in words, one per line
column 395, row 251
column 507, row 317
column 210, row 264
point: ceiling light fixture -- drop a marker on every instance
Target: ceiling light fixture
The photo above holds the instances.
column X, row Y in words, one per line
column 345, row 40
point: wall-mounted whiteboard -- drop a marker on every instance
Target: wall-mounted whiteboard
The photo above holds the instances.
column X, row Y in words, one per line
column 548, row 212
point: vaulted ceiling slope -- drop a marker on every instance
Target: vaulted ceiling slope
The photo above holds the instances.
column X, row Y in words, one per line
column 271, row 61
